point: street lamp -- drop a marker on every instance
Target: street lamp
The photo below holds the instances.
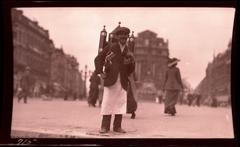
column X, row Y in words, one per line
column 85, row 81
column 90, row 73
column 87, row 73
column 50, row 53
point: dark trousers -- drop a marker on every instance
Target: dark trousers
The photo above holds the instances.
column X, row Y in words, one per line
column 23, row 94
column 93, row 96
column 106, row 121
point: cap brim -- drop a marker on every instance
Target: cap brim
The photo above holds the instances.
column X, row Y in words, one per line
column 174, row 62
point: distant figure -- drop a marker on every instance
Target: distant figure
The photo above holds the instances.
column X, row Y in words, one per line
column 198, row 99
column 94, row 89
column 25, row 85
column 36, row 90
column 67, row 93
column 17, row 79
column 214, row 101
column 131, row 103
column 172, row 85
column 159, row 96
column 49, row 90
column 181, row 97
column 41, row 90
column 190, row 98
column 74, row 96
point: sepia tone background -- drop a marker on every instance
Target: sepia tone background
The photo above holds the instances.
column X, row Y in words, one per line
column 59, row 45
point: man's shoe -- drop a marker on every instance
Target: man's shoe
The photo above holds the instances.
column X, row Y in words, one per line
column 91, row 105
column 166, row 111
column 133, row 115
column 119, row 130
column 103, row 131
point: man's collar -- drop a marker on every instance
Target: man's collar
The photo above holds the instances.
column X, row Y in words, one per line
column 122, row 45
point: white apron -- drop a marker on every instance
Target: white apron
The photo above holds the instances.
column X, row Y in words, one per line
column 114, row 99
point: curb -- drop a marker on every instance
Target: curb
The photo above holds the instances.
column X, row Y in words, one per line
column 35, row 134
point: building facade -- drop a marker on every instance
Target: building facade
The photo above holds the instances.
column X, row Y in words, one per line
column 49, row 65
column 32, row 47
column 217, row 81
column 65, row 74
column 151, row 55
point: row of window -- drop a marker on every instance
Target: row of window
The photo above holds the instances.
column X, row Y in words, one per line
column 24, row 36
column 152, row 43
column 29, row 59
column 33, row 50
column 153, row 52
column 143, row 69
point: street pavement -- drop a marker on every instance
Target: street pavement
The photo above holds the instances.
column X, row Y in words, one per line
column 56, row 118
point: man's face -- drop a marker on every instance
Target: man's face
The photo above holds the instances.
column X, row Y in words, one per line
column 122, row 37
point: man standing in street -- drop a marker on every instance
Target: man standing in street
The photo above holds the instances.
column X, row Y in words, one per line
column 119, row 63
column 24, row 85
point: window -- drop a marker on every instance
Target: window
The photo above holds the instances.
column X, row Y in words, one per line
column 146, row 42
column 154, row 52
column 164, row 53
column 160, row 44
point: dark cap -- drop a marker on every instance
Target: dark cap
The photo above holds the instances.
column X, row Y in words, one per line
column 122, row 30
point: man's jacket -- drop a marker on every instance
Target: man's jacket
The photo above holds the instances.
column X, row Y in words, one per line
column 117, row 65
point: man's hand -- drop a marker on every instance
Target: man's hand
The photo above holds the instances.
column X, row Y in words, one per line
column 130, row 54
column 127, row 61
column 129, row 58
column 109, row 57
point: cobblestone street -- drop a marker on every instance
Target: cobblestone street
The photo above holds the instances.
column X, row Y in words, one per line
column 74, row 119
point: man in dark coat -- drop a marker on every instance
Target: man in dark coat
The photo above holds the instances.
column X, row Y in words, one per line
column 94, row 89
column 25, row 85
column 119, row 63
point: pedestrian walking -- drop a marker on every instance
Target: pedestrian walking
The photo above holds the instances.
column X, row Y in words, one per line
column 25, row 85
column 119, row 63
column 181, row 97
column 190, row 98
column 95, row 81
column 214, row 100
column 198, row 101
column 159, row 96
column 172, row 86
column 67, row 93
column 36, row 90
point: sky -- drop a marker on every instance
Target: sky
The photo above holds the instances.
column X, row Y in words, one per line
column 194, row 34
